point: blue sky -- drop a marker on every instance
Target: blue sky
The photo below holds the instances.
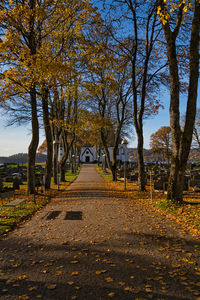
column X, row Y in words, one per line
column 16, row 139
column 13, row 139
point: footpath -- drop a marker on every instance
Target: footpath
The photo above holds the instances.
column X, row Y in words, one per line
column 94, row 244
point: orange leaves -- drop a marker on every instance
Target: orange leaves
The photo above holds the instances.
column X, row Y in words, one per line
column 74, row 262
column 22, row 277
column 109, row 279
column 51, row 286
column 75, row 273
column 111, row 294
column 98, row 272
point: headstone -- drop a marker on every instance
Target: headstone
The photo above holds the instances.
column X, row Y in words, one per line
column 16, row 183
column 160, row 185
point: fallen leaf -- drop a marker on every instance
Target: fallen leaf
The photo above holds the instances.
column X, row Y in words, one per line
column 121, row 283
column 100, row 272
column 44, row 271
column 111, row 295
column 109, row 279
column 23, row 297
column 64, row 243
column 75, row 273
column 58, row 273
column 74, row 262
column 32, row 288
column 50, row 286
column 129, row 289
column 16, row 265
column 22, row 277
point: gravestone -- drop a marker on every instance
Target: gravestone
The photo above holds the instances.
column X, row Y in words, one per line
column 16, row 184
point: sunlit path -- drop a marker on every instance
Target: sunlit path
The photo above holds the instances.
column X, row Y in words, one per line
column 88, row 245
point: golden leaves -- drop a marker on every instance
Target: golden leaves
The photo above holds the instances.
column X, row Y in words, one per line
column 129, row 289
column 75, row 273
column 74, row 262
column 111, row 294
column 98, row 272
column 22, row 277
column 63, row 242
column 109, row 279
column 50, row 286
column 32, row 288
column 58, row 272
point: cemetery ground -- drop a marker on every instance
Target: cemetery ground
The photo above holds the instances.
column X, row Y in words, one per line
column 94, row 241
column 10, row 217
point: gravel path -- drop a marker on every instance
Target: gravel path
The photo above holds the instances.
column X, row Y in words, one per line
column 89, row 245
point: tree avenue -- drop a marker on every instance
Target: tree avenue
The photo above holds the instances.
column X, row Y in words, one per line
column 37, row 45
column 87, row 77
column 140, row 47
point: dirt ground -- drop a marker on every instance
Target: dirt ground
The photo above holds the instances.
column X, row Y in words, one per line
column 91, row 245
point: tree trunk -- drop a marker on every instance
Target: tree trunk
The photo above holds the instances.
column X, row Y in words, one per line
column 35, row 126
column 47, row 128
column 115, row 150
column 66, row 149
column 140, row 158
column 55, row 163
column 181, row 141
column 114, row 164
column 176, row 182
column 63, row 169
column 34, row 142
column 105, row 147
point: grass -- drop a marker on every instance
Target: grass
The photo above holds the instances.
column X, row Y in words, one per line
column 188, row 214
column 106, row 175
column 10, row 217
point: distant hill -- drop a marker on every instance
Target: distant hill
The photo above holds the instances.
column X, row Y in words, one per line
column 149, row 156
column 21, row 158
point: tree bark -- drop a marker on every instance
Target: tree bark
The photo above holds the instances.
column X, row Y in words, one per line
column 115, row 149
column 47, row 128
column 181, row 140
column 140, row 158
column 66, row 148
column 55, row 162
column 34, row 143
column 64, row 158
column 32, row 44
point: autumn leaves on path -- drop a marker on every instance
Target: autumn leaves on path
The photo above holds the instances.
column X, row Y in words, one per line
column 88, row 245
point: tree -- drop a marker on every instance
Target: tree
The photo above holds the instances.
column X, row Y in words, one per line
column 160, row 142
column 139, row 46
column 196, row 133
column 173, row 14
column 107, row 88
column 18, row 48
column 39, row 41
